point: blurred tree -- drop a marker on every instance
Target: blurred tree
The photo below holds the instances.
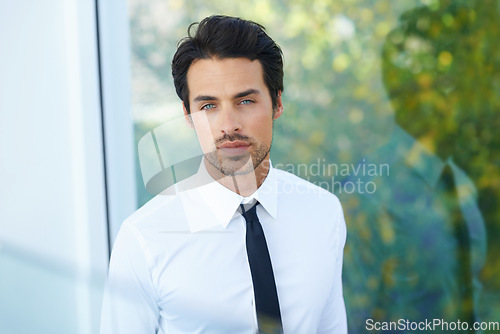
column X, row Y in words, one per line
column 442, row 71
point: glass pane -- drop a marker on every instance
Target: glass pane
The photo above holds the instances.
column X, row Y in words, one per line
column 392, row 106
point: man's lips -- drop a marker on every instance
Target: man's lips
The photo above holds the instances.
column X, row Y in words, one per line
column 234, row 144
column 234, row 147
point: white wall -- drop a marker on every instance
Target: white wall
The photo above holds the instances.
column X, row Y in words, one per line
column 53, row 237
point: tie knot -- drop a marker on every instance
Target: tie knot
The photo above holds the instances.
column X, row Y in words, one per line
column 250, row 215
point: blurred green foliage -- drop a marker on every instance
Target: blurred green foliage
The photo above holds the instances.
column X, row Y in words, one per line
column 354, row 68
column 442, row 72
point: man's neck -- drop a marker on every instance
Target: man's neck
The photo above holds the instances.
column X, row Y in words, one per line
column 242, row 184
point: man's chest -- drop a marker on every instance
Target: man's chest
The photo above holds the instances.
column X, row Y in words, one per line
column 203, row 279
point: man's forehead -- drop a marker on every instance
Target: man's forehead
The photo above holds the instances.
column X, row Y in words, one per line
column 224, row 76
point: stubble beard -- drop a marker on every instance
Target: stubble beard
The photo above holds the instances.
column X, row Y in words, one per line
column 239, row 165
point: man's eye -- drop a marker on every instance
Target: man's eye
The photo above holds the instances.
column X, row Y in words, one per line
column 208, row 106
column 246, row 102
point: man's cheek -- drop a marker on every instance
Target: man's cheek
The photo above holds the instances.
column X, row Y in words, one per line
column 204, row 131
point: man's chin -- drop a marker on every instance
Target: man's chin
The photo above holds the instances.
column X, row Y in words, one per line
column 231, row 166
column 235, row 172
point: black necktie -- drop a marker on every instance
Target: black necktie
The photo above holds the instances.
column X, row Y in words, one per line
column 266, row 297
column 459, row 225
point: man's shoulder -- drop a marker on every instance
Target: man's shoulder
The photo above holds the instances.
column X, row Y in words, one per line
column 307, row 201
column 156, row 212
column 294, row 185
column 166, row 205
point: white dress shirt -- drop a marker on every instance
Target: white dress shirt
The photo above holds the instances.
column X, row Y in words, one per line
column 179, row 263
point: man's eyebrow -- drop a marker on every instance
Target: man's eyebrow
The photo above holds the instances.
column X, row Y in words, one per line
column 204, row 98
column 237, row 96
column 245, row 93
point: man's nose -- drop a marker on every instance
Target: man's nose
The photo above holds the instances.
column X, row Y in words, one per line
column 229, row 120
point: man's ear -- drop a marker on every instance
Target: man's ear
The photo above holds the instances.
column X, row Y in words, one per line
column 187, row 117
column 279, row 106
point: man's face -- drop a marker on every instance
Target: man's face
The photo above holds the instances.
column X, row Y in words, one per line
column 231, row 111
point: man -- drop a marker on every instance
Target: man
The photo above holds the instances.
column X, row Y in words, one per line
column 239, row 247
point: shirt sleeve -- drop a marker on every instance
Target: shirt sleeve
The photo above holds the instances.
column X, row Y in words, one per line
column 333, row 317
column 130, row 303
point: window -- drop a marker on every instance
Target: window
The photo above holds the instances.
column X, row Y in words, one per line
column 383, row 100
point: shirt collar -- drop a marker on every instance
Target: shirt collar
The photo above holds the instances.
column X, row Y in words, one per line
column 208, row 204
column 267, row 193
